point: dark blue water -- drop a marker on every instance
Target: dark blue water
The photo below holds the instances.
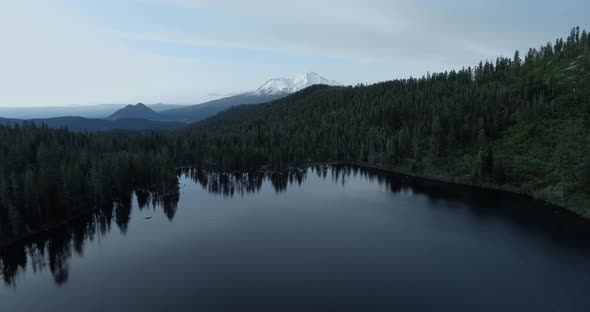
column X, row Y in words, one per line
column 337, row 239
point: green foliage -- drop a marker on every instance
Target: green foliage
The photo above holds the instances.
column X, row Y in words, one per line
column 486, row 162
column 586, row 174
column 499, row 172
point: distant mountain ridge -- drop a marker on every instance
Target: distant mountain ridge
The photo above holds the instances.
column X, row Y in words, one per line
column 86, row 111
column 271, row 90
column 198, row 112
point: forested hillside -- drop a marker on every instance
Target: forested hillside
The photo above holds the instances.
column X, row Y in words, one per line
column 522, row 121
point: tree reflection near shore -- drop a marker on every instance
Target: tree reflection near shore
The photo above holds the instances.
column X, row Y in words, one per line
column 52, row 249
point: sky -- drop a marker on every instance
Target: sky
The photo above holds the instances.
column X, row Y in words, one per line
column 58, row 52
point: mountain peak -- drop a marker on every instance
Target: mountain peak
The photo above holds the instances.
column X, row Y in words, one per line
column 294, row 84
column 137, row 111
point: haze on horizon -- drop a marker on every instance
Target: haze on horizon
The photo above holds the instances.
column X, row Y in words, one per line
column 181, row 51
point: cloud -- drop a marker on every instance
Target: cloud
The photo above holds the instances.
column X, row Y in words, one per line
column 353, row 30
column 114, row 51
column 362, row 31
column 49, row 57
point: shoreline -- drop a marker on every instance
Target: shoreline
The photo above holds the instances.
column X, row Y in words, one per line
column 47, row 228
column 489, row 186
column 458, row 181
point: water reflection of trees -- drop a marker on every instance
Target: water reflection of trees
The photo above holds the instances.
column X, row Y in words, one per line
column 230, row 184
column 52, row 249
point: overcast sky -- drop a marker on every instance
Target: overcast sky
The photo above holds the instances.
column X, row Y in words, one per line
column 188, row 51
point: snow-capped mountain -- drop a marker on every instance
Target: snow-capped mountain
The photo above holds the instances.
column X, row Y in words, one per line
column 272, row 90
column 290, row 85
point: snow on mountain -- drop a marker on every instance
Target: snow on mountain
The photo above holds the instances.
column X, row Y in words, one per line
column 272, row 90
column 291, row 85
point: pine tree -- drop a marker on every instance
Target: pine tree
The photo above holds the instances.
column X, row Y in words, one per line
column 586, row 174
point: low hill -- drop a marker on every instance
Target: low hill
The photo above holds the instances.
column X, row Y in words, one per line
column 137, row 111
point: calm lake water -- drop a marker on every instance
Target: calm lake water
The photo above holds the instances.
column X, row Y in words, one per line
column 325, row 238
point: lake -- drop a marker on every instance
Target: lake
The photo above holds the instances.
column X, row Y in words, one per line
column 327, row 238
